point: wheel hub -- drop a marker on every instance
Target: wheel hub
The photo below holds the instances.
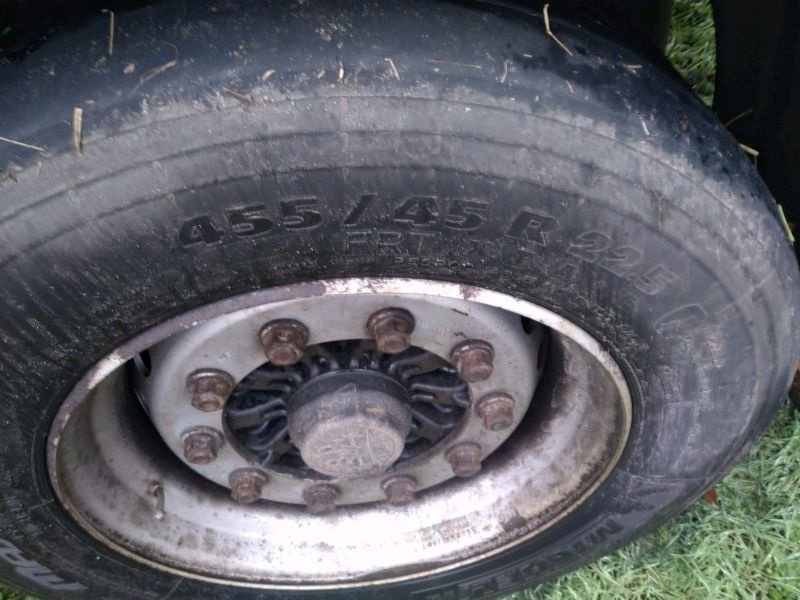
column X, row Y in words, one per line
column 352, row 407
column 346, row 402
column 351, row 423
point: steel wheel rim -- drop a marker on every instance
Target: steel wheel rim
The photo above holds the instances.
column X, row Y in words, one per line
column 475, row 532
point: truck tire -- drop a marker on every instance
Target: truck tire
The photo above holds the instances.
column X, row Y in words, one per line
column 307, row 160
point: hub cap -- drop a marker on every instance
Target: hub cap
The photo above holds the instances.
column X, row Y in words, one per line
column 354, row 424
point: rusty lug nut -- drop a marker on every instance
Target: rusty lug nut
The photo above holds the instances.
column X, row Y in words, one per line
column 246, row 485
column 321, row 498
column 400, row 489
column 496, row 410
column 473, row 359
column 201, row 444
column 284, row 341
column 391, row 329
column 465, row 459
column 209, row 388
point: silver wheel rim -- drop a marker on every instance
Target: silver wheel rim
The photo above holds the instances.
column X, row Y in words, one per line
column 138, row 498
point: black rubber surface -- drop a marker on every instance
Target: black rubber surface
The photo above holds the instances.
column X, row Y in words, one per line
column 232, row 146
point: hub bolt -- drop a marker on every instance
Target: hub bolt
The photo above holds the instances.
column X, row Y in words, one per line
column 321, row 498
column 465, row 459
column 497, row 411
column 473, row 359
column 246, row 485
column 400, row 489
column 209, row 388
column 201, row 444
column 284, row 341
column 391, row 329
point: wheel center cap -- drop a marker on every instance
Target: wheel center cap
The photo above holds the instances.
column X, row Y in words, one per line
column 350, row 424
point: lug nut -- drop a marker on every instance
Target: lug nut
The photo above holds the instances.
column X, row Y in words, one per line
column 473, row 359
column 391, row 329
column 321, row 498
column 209, row 388
column 284, row 341
column 201, row 444
column 246, row 485
column 400, row 489
column 496, row 410
column 465, row 459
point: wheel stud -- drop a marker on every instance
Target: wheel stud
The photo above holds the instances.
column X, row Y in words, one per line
column 465, row 459
column 391, row 329
column 246, row 485
column 284, row 341
column 321, row 498
column 473, row 359
column 209, row 388
column 496, row 410
column 201, row 445
column 399, row 489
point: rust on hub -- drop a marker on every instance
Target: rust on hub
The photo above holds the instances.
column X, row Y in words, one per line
column 209, row 388
column 473, row 359
column 465, row 459
column 246, row 485
column 284, row 341
column 391, row 329
column 201, row 445
column 496, row 410
column 321, row 498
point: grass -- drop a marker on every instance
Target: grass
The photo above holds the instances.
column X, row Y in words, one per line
column 691, row 47
column 8, row 595
column 747, row 546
